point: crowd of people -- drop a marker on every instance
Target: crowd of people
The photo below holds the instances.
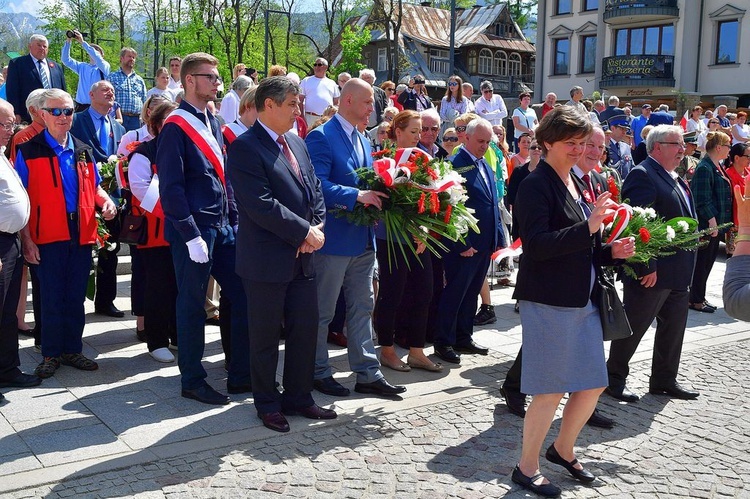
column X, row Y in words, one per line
column 238, row 192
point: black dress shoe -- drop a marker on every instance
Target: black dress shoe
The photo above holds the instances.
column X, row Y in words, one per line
column 600, row 421
column 581, row 475
column 330, row 386
column 207, row 395
column 312, row 412
column 447, row 354
column 621, row 393
column 379, row 387
column 2, row 398
column 274, row 421
column 21, row 381
column 235, row 389
column 516, row 402
column 674, row 390
column 110, row 310
column 472, row 348
column 527, row 482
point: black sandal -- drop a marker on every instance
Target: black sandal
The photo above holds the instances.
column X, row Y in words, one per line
column 581, row 475
column 543, row 489
column 78, row 361
column 702, row 307
column 47, row 367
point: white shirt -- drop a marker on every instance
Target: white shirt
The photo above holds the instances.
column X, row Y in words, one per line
column 14, row 201
column 319, row 93
column 139, row 175
column 174, row 84
column 140, row 135
column 742, row 131
column 696, row 126
column 526, row 119
column 167, row 93
column 230, row 107
column 492, row 110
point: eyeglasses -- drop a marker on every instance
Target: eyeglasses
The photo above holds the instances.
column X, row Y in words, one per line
column 486, row 91
column 8, row 127
column 390, row 89
column 681, row 145
column 430, row 128
column 57, row 111
column 461, row 128
column 318, row 64
column 452, row 84
column 211, row 77
column 450, row 139
column 535, row 148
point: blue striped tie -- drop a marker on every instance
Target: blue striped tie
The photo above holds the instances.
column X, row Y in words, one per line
column 43, row 74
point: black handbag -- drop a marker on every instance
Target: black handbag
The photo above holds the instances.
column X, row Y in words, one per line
column 615, row 324
column 134, row 229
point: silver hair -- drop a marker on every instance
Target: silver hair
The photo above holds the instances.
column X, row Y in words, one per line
column 38, row 38
column 431, row 113
column 367, row 71
column 54, row 93
column 34, row 99
column 401, row 87
column 99, row 83
column 242, row 83
column 613, row 100
column 477, row 123
column 659, row 133
column 574, row 90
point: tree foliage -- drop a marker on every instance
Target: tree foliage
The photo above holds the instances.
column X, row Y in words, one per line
column 352, row 43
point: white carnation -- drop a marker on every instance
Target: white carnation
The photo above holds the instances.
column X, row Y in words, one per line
column 650, row 213
column 683, row 225
column 112, row 158
column 670, row 234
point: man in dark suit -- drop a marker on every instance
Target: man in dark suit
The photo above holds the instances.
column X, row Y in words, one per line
column 613, row 109
column 347, row 258
column 29, row 72
column 467, row 262
column 281, row 213
column 661, row 117
column 201, row 220
column 661, row 291
column 95, row 128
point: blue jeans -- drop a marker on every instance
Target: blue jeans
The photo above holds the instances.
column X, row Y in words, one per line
column 63, row 277
column 131, row 122
column 354, row 274
column 192, row 281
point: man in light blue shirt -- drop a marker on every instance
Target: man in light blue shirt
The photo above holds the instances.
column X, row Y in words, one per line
column 88, row 72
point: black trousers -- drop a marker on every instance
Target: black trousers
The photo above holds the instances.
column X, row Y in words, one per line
column 10, row 290
column 642, row 305
column 704, row 262
column 512, row 381
column 295, row 303
column 395, row 279
column 36, row 302
column 159, row 318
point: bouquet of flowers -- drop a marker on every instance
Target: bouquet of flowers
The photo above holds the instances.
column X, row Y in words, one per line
column 109, row 171
column 654, row 236
column 426, row 201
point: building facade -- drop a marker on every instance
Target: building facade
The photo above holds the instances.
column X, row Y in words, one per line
column 678, row 52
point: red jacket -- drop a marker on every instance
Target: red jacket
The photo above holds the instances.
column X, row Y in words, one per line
column 49, row 220
column 154, row 219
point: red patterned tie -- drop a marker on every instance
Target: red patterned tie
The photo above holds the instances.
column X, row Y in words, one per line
column 288, row 153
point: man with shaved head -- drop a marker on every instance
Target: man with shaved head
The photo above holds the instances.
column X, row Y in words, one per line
column 347, row 258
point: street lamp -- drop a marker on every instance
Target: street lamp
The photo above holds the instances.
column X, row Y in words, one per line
column 156, row 45
column 265, row 15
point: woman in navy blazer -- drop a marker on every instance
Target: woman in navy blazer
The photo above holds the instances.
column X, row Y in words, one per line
column 562, row 338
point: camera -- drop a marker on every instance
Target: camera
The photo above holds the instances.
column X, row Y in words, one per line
column 419, row 82
column 70, row 33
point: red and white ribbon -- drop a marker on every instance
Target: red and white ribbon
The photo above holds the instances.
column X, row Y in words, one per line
column 514, row 249
column 620, row 223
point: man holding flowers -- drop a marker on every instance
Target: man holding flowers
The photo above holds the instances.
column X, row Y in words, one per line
column 661, row 289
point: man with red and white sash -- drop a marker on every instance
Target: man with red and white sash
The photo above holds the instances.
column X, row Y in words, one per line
column 201, row 222
column 61, row 229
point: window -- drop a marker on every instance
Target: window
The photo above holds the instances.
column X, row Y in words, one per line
column 564, row 7
column 590, row 4
column 439, row 61
column 501, row 63
column 654, row 40
column 485, row 62
column 726, row 44
column 472, row 61
column 588, row 54
column 514, row 65
column 562, row 56
column 383, row 59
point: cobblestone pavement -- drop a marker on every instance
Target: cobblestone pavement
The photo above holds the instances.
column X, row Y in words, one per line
column 466, row 448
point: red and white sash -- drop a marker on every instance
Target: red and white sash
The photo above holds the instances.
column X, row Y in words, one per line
column 233, row 130
column 201, row 136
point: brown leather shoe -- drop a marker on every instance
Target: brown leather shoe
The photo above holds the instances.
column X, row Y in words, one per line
column 337, row 339
column 313, row 412
column 274, row 421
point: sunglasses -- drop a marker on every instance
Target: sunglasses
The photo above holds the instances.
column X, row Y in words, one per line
column 486, row 91
column 430, row 128
column 318, row 64
column 57, row 111
column 450, row 139
column 452, row 84
column 535, row 148
column 461, row 128
column 390, row 89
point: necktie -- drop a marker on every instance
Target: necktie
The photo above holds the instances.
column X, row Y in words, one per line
column 483, row 173
column 104, row 135
column 357, row 147
column 43, row 73
column 288, row 154
column 587, row 180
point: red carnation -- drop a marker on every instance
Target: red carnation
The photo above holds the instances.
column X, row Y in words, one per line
column 645, row 234
column 448, row 211
column 613, row 188
column 609, row 219
column 420, row 203
column 434, row 203
column 380, row 154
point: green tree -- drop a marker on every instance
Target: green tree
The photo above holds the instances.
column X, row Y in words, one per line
column 352, row 43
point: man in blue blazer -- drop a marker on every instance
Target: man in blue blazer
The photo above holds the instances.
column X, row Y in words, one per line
column 32, row 71
column 347, row 258
column 94, row 127
column 661, row 291
column 281, row 220
column 466, row 264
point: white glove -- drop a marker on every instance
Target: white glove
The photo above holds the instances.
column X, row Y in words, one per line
column 198, row 250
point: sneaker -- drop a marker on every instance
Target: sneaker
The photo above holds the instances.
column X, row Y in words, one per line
column 486, row 315
column 162, row 355
column 47, row 367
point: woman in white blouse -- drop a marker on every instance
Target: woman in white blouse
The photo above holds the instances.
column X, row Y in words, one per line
column 454, row 104
column 524, row 118
column 740, row 131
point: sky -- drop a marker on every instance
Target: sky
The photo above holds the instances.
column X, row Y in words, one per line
column 34, row 6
